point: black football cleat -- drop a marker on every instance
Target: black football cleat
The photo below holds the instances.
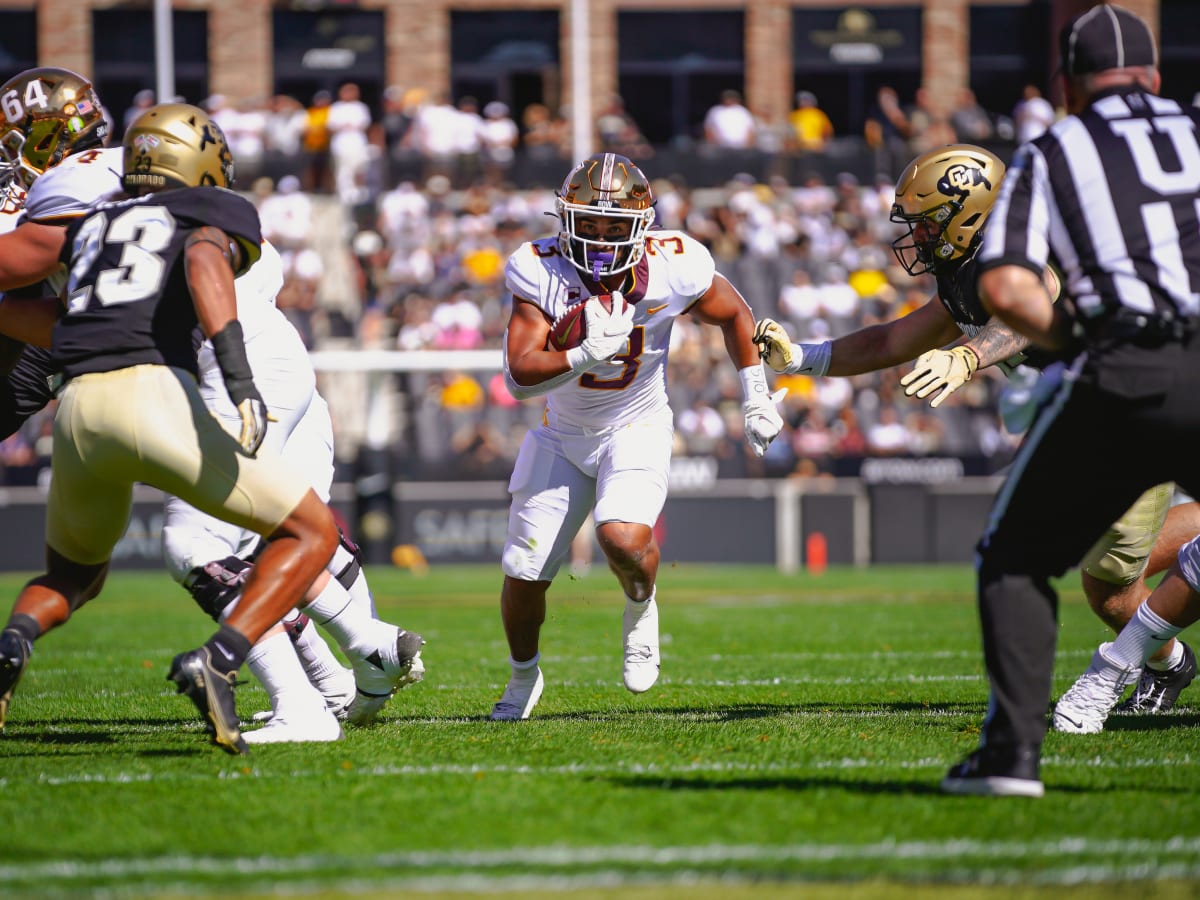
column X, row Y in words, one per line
column 14, row 656
column 212, row 693
column 1004, row 770
column 1156, row 692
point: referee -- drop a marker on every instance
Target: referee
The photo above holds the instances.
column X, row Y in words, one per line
column 1111, row 194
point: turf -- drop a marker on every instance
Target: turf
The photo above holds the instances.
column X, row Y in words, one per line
column 792, row 748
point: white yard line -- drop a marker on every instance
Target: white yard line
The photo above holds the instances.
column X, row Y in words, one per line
column 1075, row 851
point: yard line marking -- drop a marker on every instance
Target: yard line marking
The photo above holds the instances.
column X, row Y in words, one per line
column 705, row 855
column 587, row 769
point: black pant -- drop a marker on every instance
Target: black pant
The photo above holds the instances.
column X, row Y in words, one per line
column 1129, row 420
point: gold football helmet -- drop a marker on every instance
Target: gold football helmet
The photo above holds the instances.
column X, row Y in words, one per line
column 944, row 197
column 47, row 114
column 175, row 145
column 611, row 187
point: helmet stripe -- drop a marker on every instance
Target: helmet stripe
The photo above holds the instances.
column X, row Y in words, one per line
column 606, row 175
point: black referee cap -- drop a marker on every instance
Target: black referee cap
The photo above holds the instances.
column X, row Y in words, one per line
column 1105, row 37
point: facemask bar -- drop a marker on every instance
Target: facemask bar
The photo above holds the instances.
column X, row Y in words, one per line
column 600, row 258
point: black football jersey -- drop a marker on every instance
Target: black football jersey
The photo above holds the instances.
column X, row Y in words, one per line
column 128, row 302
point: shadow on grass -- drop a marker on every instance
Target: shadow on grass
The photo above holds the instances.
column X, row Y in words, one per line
column 914, row 787
column 1151, row 722
column 741, row 712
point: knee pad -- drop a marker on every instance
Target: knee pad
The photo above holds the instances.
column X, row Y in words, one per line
column 217, row 584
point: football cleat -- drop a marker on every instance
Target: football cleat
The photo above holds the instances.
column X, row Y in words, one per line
column 212, row 692
column 1157, row 691
column 996, row 771
column 376, row 679
column 520, row 697
column 642, row 661
column 1084, row 708
column 14, row 656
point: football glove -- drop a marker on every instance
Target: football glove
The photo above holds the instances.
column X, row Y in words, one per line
column 763, row 421
column 253, row 412
column 607, row 332
column 778, row 351
column 945, row 369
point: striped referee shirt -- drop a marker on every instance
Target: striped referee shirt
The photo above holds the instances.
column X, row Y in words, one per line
column 1112, row 196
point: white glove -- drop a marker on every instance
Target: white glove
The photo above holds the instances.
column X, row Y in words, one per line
column 778, row 351
column 763, row 421
column 945, row 369
column 607, row 332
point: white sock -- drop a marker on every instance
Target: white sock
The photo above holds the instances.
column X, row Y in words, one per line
column 354, row 629
column 1145, row 633
column 315, row 656
column 1168, row 662
column 276, row 666
column 526, row 669
column 360, row 591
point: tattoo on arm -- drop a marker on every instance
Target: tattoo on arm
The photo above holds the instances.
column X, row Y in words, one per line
column 210, row 234
column 996, row 342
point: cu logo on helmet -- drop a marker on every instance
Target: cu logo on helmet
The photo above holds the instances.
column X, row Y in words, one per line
column 958, row 180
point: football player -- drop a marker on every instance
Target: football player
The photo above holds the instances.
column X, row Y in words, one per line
column 144, row 271
column 604, row 446
column 381, row 653
column 943, row 198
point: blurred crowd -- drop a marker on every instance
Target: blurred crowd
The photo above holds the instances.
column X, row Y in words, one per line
column 416, row 262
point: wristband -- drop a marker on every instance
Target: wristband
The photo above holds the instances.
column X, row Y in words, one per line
column 814, row 359
column 754, row 383
column 229, row 347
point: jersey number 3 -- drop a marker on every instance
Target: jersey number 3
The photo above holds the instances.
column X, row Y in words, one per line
column 141, row 232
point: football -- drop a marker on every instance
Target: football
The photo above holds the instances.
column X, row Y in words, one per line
column 569, row 329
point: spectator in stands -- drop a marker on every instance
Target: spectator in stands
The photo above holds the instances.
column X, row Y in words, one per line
column 284, row 130
column 971, row 122
column 315, row 144
column 541, row 134
column 286, row 215
column 348, row 120
column 929, row 123
column 142, row 101
column 498, row 139
column 1032, row 115
column 810, row 124
column 730, row 125
column 617, row 132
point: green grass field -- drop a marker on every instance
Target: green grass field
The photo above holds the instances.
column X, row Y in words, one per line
column 792, row 748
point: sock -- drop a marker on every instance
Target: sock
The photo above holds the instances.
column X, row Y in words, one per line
column 526, row 669
column 1145, row 633
column 273, row 662
column 228, row 649
column 354, row 629
column 1168, row 662
column 26, row 626
column 315, row 656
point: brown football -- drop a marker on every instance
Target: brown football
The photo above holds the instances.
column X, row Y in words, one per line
column 569, row 329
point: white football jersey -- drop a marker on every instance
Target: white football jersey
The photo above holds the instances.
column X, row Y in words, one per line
column 674, row 273
column 68, row 189
column 83, row 179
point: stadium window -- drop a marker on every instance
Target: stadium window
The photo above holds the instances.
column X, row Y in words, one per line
column 320, row 51
column 1180, row 40
column 123, row 55
column 673, row 66
column 844, row 56
column 18, row 42
column 506, row 55
column 1010, row 47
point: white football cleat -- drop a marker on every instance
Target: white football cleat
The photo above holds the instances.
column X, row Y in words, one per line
column 1084, row 708
column 338, row 689
column 519, row 698
column 642, row 660
column 376, row 679
column 316, row 728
